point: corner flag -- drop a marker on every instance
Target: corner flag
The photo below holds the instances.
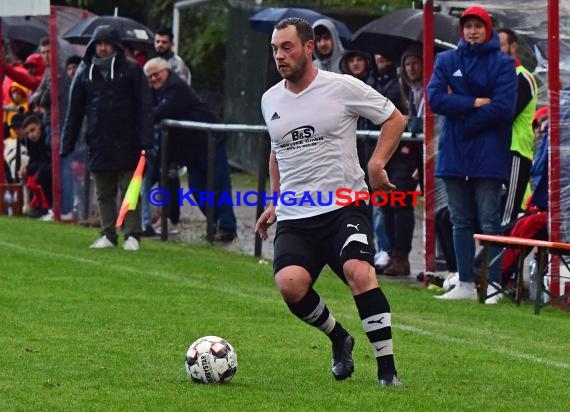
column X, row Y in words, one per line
column 133, row 191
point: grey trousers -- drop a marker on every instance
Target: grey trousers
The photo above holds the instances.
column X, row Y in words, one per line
column 107, row 183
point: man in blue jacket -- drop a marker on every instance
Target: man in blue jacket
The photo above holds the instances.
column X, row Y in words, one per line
column 474, row 88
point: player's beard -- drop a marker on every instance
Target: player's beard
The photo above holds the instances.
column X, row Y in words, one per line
column 296, row 75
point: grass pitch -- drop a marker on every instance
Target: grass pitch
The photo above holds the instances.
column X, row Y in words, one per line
column 108, row 330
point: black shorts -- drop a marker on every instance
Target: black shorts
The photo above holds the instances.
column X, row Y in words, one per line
column 328, row 239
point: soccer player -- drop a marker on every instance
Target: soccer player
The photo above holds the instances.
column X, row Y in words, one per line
column 311, row 116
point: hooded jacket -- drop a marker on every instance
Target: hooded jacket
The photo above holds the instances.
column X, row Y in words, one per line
column 331, row 63
column 413, row 92
column 474, row 142
column 117, row 108
column 369, row 78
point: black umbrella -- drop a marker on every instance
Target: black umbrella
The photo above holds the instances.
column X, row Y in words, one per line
column 391, row 34
column 265, row 20
column 27, row 29
column 130, row 30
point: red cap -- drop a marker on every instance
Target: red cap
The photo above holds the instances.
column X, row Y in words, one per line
column 540, row 113
column 480, row 13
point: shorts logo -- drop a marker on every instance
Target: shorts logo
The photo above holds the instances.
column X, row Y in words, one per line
column 354, row 226
column 275, row 116
column 303, row 132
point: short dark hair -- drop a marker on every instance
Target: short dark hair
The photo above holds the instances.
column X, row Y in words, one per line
column 75, row 59
column 31, row 119
column 304, row 29
column 321, row 29
column 44, row 41
column 511, row 35
column 165, row 31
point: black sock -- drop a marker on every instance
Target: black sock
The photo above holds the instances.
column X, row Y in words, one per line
column 374, row 311
column 313, row 310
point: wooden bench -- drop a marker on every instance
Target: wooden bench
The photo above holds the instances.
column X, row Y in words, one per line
column 16, row 191
column 544, row 248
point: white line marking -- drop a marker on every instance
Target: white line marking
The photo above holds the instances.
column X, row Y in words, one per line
column 265, row 298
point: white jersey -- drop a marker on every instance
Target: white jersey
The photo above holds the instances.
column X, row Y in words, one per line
column 313, row 134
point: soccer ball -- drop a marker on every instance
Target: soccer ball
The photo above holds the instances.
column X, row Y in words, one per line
column 451, row 281
column 211, row 359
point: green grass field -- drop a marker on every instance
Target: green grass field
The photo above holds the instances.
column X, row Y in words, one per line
column 108, row 330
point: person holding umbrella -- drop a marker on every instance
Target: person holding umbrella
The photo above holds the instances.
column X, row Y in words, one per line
column 474, row 88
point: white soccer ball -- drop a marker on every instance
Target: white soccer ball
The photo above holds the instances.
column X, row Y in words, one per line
column 211, row 359
column 450, row 281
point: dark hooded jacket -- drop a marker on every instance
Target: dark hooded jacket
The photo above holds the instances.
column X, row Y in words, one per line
column 117, row 108
column 474, row 142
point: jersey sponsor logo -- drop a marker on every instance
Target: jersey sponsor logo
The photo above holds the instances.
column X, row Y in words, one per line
column 275, row 116
column 303, row 132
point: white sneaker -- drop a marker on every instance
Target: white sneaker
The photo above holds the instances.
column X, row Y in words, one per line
column 381, row 258
column 48, row 217
column 66, row 217
column 102, row 243
column 131, row 244
column 493, row 300
column 463, row 291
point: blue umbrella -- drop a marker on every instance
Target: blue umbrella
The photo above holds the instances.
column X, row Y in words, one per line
column 265, row 20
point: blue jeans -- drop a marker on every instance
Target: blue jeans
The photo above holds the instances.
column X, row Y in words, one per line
column 472, row 200
column 380, row 229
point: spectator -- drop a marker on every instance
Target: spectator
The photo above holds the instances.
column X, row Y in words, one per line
column 328, row 47
column 113, row 94
column 388, row 84
column 14, row 154
column 323, row 158
column 31, row 77
column 71, row 65
column 474, row 88
column 522, row 140
column 37, row 172
column 176, row 100
column 163, row 42
column 360, row 65
column 403, row 168
column 19, row 104
column 40, row 103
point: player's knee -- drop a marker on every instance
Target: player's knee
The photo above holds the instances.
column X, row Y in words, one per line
column 292, row 283
column 359, row 275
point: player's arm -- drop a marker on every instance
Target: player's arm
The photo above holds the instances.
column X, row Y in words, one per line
column 268, row 217
column 388, row 141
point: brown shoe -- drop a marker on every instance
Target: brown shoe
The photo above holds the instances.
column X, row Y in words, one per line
column 399, row 265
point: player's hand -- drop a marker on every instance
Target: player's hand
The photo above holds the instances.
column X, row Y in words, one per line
column 267, row 218
column 380, row 181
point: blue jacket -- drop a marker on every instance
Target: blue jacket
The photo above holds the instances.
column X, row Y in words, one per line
column 474, row 142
